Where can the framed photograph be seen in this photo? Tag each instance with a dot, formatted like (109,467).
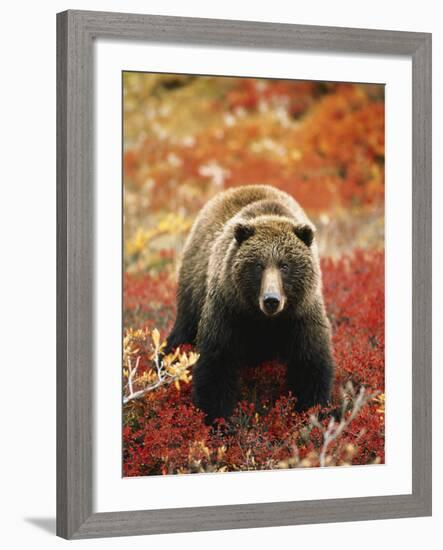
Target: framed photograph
(243,274)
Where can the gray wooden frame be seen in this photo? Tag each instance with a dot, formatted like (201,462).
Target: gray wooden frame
(76,32)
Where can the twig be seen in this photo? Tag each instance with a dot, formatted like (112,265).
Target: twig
(132,372)
(144,391)
(163,376)
(334,429)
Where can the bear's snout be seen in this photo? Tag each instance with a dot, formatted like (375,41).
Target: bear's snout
(272,297)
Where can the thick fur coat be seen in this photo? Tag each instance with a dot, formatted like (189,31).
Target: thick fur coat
(250,290)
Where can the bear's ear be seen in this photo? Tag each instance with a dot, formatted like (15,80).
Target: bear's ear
(242,232)
(305,233)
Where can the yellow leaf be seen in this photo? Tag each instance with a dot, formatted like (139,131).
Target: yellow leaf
(155,336)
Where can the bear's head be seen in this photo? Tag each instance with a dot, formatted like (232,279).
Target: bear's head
(273,268)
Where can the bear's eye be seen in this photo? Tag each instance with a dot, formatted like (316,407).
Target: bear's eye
(284,268)
(259,267)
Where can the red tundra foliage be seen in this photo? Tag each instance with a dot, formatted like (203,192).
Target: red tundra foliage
(265,431)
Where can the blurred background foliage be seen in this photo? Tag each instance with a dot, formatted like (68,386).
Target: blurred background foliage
(187,137)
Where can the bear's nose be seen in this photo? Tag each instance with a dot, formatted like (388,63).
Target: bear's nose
(271,301)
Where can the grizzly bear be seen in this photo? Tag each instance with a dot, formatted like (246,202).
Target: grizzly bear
(249,291)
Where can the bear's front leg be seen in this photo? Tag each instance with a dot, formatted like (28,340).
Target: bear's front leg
(215,385)
(215,376)
(310,364)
